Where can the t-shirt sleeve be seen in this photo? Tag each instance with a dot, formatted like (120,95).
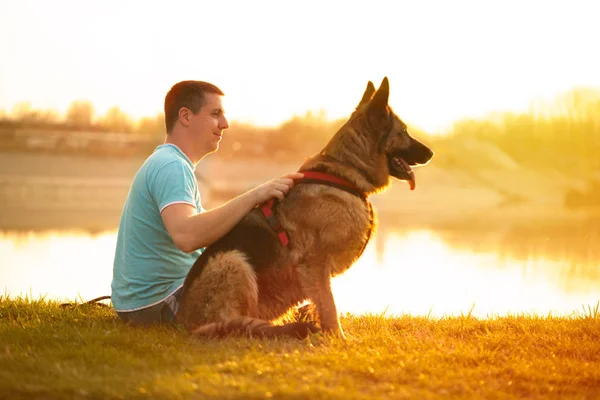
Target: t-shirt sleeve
(173,183)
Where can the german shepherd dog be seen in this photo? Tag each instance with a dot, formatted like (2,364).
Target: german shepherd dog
(249,277)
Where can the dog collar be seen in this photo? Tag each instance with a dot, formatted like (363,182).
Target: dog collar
(323,178)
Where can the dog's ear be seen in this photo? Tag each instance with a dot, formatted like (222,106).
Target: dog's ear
(367,95)
(377,108)
(380,99)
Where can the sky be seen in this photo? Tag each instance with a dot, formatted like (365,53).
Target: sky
(445,60)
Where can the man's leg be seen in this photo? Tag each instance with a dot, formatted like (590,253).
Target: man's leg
(161,313)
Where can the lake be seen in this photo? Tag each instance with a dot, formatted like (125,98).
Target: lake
(417,272)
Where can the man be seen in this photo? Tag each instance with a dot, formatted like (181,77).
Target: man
(163,227)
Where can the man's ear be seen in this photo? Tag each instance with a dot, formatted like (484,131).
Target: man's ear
(184,116)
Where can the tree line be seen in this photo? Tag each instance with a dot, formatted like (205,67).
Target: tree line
(563,134)
(81,115)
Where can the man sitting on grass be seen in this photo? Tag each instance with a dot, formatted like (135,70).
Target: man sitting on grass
(163,227)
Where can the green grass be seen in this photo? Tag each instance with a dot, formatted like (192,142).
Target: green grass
(49,352)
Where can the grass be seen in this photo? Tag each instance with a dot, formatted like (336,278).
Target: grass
(49,352)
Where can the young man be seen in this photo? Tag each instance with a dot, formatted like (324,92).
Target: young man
(163,227)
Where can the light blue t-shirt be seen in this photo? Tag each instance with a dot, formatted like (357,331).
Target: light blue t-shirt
(148,266)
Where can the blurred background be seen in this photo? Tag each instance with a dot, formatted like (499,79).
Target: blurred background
(505,219)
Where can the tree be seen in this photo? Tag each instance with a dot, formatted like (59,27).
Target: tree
(116,120)
(152,126)
(80,113)
(25,113)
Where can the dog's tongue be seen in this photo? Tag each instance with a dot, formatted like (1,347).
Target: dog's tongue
(411,181)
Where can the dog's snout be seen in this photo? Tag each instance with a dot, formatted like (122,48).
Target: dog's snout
(420,153)
(427,153)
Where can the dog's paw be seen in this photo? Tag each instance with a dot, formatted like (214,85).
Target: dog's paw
(300,330)
(306,313)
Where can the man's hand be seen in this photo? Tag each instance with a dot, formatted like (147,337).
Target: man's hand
(275,188)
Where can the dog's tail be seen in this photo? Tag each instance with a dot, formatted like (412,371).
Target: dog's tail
(248,326)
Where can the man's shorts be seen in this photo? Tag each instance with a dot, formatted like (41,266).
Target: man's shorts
(161,313)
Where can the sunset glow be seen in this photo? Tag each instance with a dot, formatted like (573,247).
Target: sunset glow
(445,60)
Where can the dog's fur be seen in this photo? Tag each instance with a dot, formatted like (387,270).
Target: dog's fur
(248,278)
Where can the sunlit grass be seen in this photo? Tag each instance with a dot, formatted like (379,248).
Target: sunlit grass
(49,352)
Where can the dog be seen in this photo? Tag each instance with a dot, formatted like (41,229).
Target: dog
(286,252)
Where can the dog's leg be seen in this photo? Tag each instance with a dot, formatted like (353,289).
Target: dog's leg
(278,291)
(316,282)
(223,301)
(225,289)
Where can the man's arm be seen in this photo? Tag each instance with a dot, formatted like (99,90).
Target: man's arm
(191,230)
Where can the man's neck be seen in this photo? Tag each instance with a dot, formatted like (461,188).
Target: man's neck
(185,148)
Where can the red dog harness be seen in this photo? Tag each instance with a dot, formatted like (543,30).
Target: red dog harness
(309,177)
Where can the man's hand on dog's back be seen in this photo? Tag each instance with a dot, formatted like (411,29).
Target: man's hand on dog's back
(275,188)
(191,230)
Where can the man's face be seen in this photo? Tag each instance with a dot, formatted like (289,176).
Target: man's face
(206,127)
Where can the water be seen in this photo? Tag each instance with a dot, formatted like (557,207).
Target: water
(415,272)
(62,266)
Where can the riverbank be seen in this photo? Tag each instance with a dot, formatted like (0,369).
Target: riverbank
(58,191)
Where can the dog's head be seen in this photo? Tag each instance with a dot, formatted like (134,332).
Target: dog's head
(401,151)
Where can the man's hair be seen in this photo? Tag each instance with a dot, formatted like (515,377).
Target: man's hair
(189,94)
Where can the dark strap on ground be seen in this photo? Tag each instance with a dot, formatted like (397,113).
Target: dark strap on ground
(95,301)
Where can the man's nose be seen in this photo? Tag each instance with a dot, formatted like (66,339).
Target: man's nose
(224,123)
